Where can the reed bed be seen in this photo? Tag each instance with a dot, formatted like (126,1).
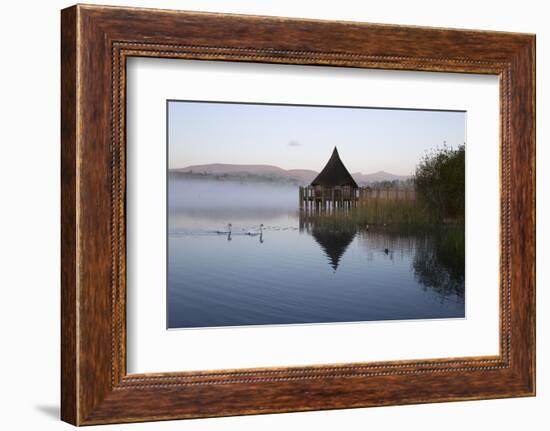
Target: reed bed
(380,212)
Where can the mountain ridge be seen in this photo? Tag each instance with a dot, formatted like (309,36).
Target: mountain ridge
(304,176)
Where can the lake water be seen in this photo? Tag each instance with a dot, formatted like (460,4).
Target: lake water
(299,270)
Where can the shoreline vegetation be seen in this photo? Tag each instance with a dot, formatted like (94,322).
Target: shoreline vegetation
(441,184)
(378,212)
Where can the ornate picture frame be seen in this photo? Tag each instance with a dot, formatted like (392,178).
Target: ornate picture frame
(96,41)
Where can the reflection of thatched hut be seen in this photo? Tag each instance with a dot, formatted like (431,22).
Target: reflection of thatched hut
(333,243)
(333,235)
(334,187)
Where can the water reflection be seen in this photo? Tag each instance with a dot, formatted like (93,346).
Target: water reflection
(439,252)
(333,237)
(439,262)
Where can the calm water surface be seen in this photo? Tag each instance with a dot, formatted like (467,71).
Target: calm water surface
(299,270)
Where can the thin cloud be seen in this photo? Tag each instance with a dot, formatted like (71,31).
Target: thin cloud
(294,144)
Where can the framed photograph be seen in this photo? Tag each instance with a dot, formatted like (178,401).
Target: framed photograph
(264,214)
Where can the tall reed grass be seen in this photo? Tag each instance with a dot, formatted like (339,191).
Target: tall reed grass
(380,212)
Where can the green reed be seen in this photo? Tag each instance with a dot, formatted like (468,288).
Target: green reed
(382,212)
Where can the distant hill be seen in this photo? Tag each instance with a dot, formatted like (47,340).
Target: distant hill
(306,175)
(272,173)
(378,177)
(222,168)
(267,173)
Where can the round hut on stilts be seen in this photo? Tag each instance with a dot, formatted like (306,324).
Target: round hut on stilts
(333,188)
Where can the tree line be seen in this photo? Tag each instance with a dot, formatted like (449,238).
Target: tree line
(440,182)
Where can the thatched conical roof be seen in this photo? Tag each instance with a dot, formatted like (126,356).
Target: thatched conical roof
(334,174)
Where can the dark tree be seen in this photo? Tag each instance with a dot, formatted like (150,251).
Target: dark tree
(440,182)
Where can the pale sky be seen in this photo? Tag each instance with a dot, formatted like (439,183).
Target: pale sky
(303,137)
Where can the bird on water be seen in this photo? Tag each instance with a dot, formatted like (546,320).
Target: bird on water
(254,232)
(226,231)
